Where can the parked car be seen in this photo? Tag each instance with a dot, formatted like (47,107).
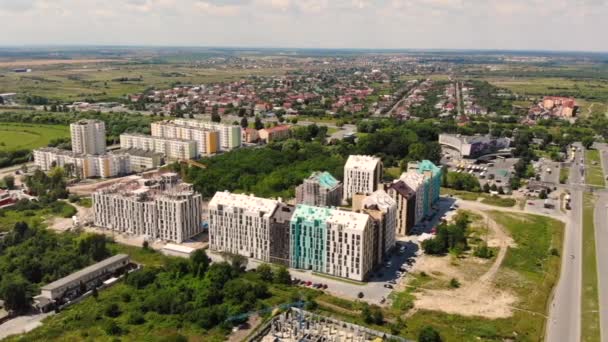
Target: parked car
(388,286)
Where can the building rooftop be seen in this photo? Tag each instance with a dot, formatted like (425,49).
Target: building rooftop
(277,128)
(363,162)
(249,203)
(325,179)
(402,188)
(79,274)
(348,219)
(88,122)
(424,166)
(412,179)
(380,200)
(139,135)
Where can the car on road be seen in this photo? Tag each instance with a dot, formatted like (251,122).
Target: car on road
(388,286)
(392,282)
(530,203)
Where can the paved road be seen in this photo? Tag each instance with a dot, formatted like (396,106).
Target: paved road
(22,324)
(564,323)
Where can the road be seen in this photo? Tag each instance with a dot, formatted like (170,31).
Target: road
(564,322)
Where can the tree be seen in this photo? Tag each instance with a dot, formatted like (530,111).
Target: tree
(15,291)
(282,276)
(112,310)
(145,245)
(454,283)
(111,328)
(587,141)
(366,314)
(265,272)
(258,123)
(486,188)
(429,334)
(244,123)
(199,262)
(542,194)
(9,182)
(215,117)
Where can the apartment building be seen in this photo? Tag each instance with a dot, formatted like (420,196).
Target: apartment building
(157,208)
(417,183)
(241,224)
(332,241)
(172,148)
(88,137)
(142,160)
(405,197)
(382,210)
(279,234)
(320,189)
(275,133)
(207,140)
(83,165)
(362,174)
(229,135)
(432,175)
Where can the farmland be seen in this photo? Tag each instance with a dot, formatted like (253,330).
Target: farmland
(17,136)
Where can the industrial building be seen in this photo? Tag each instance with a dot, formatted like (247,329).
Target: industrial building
(158,208)
(362,175)
(320,189)
(85,279)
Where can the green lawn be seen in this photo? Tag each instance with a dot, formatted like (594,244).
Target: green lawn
(590,320)
(34,217)
(17,136)
(498,201)
(593,168)
(564,173)
(529,270)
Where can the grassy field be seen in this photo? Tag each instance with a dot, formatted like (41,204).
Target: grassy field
(540,86)
(590,320)
(16,136)
(564,173)
(34,218)
(485,198)
(593,168)
(113,80)
(530,271)
(498,201)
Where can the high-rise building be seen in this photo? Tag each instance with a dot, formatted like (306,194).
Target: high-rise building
(207,140)
(241,224)
(229,135)
(432,176)
(88,137)
(279,234)
(320,189)
(405,197)
(382,209)
(417,183)
(171,148)
(362,174)
(157,208)
(332,241)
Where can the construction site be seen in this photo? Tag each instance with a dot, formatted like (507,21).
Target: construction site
(297,325)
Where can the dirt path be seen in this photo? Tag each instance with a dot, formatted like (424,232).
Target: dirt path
(475,297)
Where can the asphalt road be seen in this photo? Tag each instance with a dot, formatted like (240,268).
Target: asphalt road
(564,322)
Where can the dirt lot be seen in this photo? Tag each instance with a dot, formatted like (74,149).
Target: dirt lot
(477,294)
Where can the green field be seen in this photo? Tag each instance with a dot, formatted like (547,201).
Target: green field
(529,270)
(593,168)
(590,320)
(34,217)
(17,136)
(113,81)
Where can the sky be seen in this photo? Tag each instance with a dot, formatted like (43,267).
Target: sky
(576,25)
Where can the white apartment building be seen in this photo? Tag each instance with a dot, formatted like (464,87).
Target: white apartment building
(229,135)
(415,181)
(349,248)
(171,148)
(240,224)
(88,137)
(157,208)
(207,140)
(142,160)
(83,165)
(382,208)
(362,174)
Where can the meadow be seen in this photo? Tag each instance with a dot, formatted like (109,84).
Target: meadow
(18,136)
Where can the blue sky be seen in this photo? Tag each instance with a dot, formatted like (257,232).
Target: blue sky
(438,24)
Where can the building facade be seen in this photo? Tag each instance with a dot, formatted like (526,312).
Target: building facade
(416,182)
(229,135)
(83,165)
(275,133)
(432,175)
(157,208)
(332,241)
(241,224)
(142,160)
(174,149)
(473,146)
(320,189)
(362,174)
(405,198)
(279,234)
(382,209)
(88,137)
(207,140)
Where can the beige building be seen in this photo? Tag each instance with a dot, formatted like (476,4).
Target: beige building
(83,165)
(362,175)
(229,135)
(275,133)
(171,148)
(207,140)
(382,209)
(88,137)
(142,160)
(157,208)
